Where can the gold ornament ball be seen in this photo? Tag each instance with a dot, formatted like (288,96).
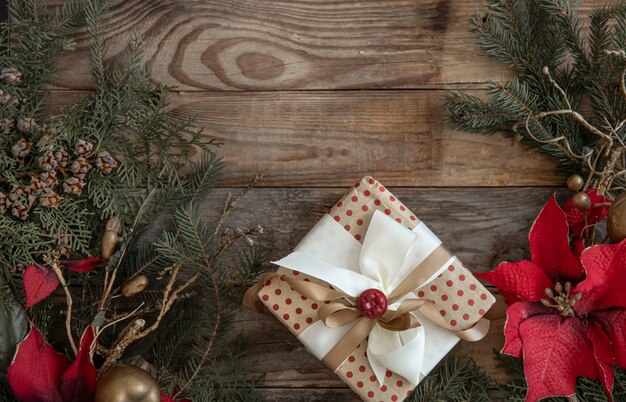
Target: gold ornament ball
(575,182)
(125,383)
(135,285)
(616,221)
(581,201)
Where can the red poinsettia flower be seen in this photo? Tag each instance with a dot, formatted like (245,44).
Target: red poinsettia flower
(39,374)
(567,315)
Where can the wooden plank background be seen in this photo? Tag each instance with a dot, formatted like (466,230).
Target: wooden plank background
(315,94)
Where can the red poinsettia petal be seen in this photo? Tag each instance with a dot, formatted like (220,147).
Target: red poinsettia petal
(515,315)
(613,322)
(84,265)
(603,354)
(39,283)
(556,351)
(165,398)
(604,286)
(576,218)
(78,383)
(549,243)
(519,281)
(36,369)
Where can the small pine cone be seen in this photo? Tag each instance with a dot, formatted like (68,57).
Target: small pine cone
(83,147)
(36,186)
(49,198)
(73,185)
(4,203)
(17,192)
(20,210)
(49,178)
(21,148)
(4,98)
(10,75)
(26,125)
(105,162)
(6,125)
(48,162)
(64,249)
(80,167)
(62,158)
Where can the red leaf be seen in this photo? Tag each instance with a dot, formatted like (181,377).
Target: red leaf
(576,218)
(84,265)
(613,323)
(36,370)
(556,351)
(603,355)
(165,398)
(78,383)
(519,281)
(39,283)
(515,315)
(549,243)
(604,286)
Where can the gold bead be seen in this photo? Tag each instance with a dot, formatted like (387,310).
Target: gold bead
(135,285)
(616,221)
(110,237)
(109,242)
(125,383)
(575,182)
(581,201)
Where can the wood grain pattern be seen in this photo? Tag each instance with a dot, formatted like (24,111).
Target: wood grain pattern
(331,138)
(293,45)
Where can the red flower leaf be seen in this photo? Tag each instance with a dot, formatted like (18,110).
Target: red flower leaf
(519,281)
(549,243)
(515,315)
(603,355)
(556,351)
(613,323)
(36,370)
(78,383)
(84,265)
(165,398)
(604,286)
(576,218)
(39,283)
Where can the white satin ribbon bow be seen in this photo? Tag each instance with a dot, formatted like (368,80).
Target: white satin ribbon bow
(388,254)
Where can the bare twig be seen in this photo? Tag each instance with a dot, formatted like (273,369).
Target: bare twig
(54,264)
(230,205)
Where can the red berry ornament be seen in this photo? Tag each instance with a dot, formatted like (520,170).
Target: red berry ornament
(372,303)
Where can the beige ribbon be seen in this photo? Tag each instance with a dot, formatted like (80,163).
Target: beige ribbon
(343,309)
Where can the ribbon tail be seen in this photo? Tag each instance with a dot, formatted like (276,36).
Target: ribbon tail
(251,297)
(401,352)
(350,341)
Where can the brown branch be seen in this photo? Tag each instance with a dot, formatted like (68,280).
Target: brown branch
(54,264)
(230,205)
(137,331)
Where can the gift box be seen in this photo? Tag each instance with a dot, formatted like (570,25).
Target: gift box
(373,294)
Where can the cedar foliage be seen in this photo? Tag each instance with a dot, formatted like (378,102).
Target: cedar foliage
(125,116)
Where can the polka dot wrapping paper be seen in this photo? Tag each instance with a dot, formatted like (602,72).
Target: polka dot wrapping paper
(458,295)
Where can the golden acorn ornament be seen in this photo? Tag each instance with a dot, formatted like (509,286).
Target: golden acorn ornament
(111,237)
(126,383)
(616,220)
(135,285)
(581,201)
(575,182)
